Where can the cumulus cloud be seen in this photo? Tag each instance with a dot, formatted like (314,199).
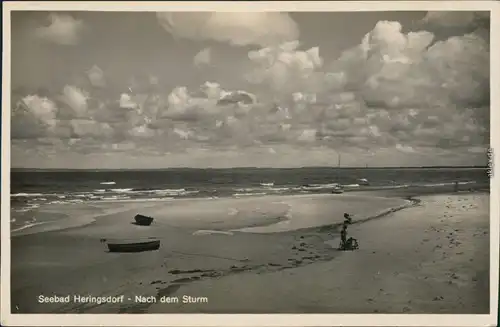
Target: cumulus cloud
(284,69)
(397,70)
(154,80)
(456,18)
(63,29)
(89,128)
(239,28)
(446,24)
(203,57)
(411,92)
(76,100)
(33,116)
(127,102)
(96,76)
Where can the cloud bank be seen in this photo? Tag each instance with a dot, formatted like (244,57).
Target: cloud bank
(203,57)
(63,30)
(409,96)
(238,28)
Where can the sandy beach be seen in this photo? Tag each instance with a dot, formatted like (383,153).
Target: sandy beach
(272,254)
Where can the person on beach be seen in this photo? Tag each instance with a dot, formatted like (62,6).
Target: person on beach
(347,219)
(343,236)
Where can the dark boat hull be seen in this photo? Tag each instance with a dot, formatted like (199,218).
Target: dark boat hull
(134,246)
(143,220)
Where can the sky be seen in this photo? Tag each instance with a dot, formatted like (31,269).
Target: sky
(249,89)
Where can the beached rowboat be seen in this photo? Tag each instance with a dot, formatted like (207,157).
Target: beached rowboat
(143,220)
(134,246)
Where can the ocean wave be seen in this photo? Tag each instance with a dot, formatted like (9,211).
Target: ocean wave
(115,197)
(26,195)
(279,189)
(121,190)
(26,208)
(209,232)
(138,199)
(248,194)
(248,189)
(28,225)
(350,185)
(58,202)
(178,191)
(107,183)
(319,186)
(445,184)
(27,201)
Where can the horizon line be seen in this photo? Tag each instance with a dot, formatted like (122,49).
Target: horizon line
(243,167)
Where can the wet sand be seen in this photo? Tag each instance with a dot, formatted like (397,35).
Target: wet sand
(271,254)
(432,258)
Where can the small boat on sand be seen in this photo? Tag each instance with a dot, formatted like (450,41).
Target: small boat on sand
(134,246)
(143,220)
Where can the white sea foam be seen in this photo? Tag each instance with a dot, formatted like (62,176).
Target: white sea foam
(248,194)
(57,202)
(279,189)
(248,189)
(27,208)
(121,190)
(26,194)
(29,226)
(209,232)
(107,183)
(128,199)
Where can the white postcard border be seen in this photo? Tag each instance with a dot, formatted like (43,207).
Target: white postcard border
(9,319)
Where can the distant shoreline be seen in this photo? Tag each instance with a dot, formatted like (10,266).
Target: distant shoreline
(238,168)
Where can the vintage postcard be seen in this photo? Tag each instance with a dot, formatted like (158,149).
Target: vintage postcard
(250,163)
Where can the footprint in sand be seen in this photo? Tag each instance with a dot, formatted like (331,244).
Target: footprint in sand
(274,264)
(185,280)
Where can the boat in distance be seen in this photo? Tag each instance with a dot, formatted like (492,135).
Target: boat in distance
(143,220)
(337,190)
(134,246)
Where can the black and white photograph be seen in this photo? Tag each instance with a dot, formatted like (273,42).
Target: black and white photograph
(229,158)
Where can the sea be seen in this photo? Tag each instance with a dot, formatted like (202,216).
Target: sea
(32,189)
